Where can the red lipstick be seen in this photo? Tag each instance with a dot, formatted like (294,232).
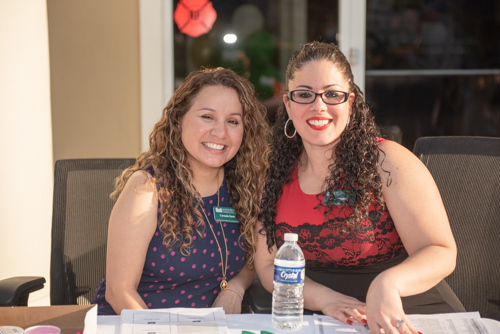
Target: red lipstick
(317,126)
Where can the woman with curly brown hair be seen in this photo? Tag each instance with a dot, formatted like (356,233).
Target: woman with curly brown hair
(369,216)
(181,231)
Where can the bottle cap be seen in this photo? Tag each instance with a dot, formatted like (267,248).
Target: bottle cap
(291,237)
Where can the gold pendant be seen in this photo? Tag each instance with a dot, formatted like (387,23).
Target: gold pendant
(223,284)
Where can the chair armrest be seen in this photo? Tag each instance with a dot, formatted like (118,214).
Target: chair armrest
(15,291)
(259,299)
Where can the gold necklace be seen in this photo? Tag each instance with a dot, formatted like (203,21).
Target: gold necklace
(223,283)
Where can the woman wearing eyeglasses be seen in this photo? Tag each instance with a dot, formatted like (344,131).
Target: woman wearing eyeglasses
(369,216)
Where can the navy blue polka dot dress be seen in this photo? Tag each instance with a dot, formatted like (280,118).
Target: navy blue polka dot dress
(170,279)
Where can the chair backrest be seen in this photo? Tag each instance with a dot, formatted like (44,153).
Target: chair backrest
(467,173)
(81,211)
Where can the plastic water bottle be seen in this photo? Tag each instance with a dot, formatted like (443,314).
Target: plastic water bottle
(289,274)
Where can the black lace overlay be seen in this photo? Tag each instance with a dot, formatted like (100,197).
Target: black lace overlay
(333,244)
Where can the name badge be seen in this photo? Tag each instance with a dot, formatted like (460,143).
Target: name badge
(225,214)
(339,197)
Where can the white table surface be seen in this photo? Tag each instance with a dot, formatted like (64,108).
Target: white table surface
(235,323)
(254,323)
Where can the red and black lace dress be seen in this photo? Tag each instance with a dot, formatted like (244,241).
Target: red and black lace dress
(346,259)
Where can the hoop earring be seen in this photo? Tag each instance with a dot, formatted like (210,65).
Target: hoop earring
(286,134)
(348,121)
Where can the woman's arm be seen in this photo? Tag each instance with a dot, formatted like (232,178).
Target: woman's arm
(264,261)
(131,226)
(417,210)
(231,298)
(317,297)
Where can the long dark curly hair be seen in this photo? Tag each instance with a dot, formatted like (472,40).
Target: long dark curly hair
(173,177)
(354,158)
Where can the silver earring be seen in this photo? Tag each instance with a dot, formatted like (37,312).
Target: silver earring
(348,120)
(286,134)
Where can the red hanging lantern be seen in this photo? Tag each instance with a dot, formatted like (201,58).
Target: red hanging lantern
(194,17)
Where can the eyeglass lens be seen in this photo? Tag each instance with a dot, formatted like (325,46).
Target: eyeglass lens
(307,96)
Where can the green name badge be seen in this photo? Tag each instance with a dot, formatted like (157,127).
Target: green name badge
(339,197)
(225,214)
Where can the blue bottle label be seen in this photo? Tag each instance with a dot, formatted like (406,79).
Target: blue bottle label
(289,275)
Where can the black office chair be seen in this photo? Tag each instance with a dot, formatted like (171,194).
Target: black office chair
(80,217)
(258,299)
(467,173)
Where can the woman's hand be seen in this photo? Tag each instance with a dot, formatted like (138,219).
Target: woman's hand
(344,308)
(317,297)
(384,310)
(229,300)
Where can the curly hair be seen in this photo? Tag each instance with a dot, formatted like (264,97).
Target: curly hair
(173,177)
(354,158)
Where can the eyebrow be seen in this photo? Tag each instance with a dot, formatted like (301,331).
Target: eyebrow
(325,87)
(213,110)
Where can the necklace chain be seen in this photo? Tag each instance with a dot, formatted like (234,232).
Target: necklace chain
(223,283)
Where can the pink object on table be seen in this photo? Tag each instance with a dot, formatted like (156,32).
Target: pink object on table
(44,329)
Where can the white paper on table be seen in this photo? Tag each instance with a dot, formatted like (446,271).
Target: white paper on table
(447,323)
(90,322)
(173,320)
(326,325)
(452,323)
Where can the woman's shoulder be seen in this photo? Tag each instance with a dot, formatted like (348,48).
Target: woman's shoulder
(140,175)
(137,180)
(397,162)
(381,140)
(392,151)
(149,173)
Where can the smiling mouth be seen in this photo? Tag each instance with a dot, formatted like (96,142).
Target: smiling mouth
(317,122)
(214,146)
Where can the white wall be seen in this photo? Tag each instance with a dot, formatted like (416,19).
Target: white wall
(26,178)
(95,78)
(352,39)
(26,150)
(157,62)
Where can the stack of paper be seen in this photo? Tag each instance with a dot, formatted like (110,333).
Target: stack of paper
(449,323)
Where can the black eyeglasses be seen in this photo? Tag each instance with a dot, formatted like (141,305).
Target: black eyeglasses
(331,97)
